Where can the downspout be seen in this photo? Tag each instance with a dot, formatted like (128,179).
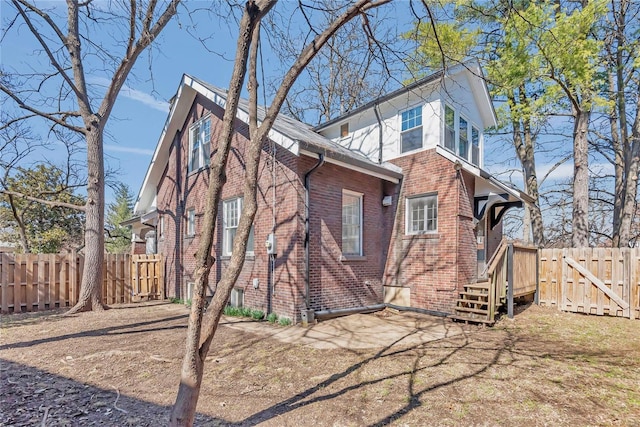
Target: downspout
(377,113)
(307,189)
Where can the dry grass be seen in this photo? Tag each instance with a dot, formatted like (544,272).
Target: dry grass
(542,368)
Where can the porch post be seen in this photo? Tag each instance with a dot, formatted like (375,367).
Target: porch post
(510,281)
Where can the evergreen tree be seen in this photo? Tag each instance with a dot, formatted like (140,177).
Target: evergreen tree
(118,238)
(38,227)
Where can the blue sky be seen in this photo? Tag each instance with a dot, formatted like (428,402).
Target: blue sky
(141,110)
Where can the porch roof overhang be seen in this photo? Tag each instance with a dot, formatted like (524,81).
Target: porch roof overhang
(491,195)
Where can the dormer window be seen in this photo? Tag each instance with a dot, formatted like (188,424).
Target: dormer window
(411,130)
(461,137)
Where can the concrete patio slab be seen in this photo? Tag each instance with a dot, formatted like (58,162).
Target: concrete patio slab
(359,331)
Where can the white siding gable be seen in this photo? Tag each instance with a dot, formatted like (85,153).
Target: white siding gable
(458,91)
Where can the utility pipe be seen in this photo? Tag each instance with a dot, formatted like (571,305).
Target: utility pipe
(377,113)
(307,258)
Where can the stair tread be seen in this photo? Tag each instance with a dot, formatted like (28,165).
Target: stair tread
(472,310)
(471,319)
(475,294)
(471,301)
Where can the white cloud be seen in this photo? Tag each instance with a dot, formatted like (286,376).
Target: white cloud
(135,95)
(132,150)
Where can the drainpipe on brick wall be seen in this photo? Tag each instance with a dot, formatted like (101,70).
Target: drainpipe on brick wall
(375,110)
(307,259)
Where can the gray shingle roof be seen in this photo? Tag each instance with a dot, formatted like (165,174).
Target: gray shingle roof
(312,141)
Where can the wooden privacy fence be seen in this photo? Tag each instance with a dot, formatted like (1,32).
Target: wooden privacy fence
(602,281)
(36,282)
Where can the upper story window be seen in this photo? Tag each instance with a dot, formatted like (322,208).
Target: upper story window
(231,210)
(351,223)
(411,130)
(161,227)
(422,214)
(199,144)
(460,136)
(191,222)
(344,130)
(475,145)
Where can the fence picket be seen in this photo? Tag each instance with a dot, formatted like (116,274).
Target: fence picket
(601,281)
(45,281)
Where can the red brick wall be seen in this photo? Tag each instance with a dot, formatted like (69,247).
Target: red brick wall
(434,266)
(336,282)
(180,191)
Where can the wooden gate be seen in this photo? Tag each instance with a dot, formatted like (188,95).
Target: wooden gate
(601,281)
(147,275)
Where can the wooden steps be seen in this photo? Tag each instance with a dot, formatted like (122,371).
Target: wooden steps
(473,304)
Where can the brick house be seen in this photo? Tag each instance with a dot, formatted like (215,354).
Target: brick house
(398,206)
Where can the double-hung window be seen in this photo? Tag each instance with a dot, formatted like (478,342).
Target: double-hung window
(351,223)
(475,145)
(461,137)
(231,210)
(199,144)
(449,128)
(191,222)
(411,129)
(422,214)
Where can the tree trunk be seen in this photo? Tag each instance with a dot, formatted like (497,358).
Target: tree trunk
(632,162)
(202,327)
(24,242)
(183,412)
(524,144)
(580,221)
(91,287)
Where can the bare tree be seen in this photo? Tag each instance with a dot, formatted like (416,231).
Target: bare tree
(622,142)
(202,326)
(62,94)
(344,75)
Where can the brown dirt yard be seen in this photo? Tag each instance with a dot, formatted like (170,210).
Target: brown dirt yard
(121,367)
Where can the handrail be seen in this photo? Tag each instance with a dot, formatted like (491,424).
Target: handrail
(491,265)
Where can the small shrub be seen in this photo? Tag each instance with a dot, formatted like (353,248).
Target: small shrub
(245,311)
(257,314)
(231,311)
(272,318)
(284,321)
(176,301)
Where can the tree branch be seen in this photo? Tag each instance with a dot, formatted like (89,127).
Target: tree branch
(50,116)
(52,203)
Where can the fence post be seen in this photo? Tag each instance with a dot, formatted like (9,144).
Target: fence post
(536,297)
(629,281)
(510,281)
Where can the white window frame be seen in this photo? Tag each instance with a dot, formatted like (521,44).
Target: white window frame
(236,299)
(409,212)
(161,227)
(201,145)
(352,195)
(457,117)
(191,222)
(230,225)
(459,128)
(411,129)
